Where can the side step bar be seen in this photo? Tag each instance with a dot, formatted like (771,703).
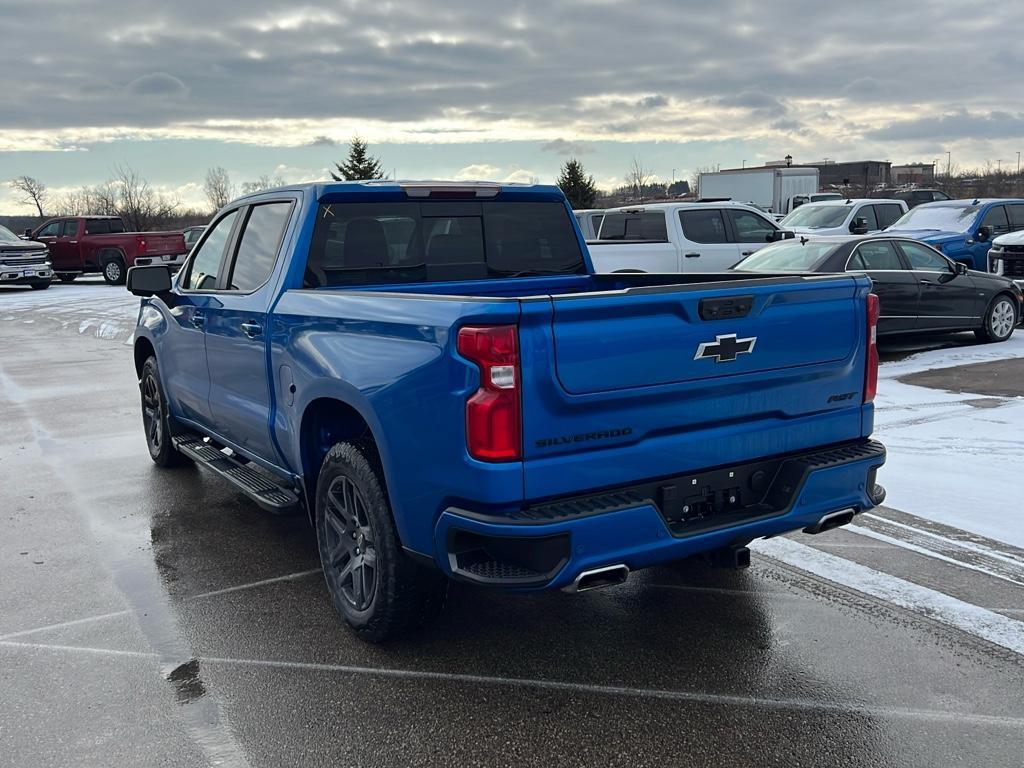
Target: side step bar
(258,486)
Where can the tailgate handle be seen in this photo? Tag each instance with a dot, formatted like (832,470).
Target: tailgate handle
(727,307)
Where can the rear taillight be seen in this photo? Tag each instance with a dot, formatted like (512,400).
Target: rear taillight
(493,412)
(142,245)
(871,370)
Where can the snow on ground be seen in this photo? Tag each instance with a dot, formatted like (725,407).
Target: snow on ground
(89,306)
(953,458)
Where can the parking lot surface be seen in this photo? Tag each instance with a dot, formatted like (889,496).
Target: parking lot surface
(154,617)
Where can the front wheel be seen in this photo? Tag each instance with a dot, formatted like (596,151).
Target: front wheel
(155,420)
(375,587)
(67,277)
(114,272)
(41,286)
(999,320)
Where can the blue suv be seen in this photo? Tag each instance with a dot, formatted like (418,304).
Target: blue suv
(962,229)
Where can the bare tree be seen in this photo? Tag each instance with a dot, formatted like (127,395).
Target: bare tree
(33,191)
(695,178)
(638,176)
(141,206)
(263,182)
(218,187)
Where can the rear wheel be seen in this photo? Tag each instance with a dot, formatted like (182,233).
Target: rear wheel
(1000,319)
(374,585)
(114,271)
(155,420)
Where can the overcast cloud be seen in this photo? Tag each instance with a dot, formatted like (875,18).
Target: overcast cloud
(899,81)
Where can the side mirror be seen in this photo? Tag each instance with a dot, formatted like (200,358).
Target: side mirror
(28,233)
(859,226)
(788,234)
(984,233)
(774,236)
(149,281)
(960,268)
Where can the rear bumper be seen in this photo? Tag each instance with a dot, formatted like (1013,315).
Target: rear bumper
(168,260)
(547,546)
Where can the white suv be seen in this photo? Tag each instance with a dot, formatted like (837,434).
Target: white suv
(844,217)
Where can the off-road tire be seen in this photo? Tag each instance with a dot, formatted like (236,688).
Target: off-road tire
(354,526)
(155,421)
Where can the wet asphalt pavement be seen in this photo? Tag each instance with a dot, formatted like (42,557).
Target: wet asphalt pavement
(156,618)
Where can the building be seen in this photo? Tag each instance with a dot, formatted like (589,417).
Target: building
(860,176)
(913,173)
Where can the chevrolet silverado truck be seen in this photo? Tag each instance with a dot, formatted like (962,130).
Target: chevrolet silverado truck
(23,263)
(436,375)
(90,244)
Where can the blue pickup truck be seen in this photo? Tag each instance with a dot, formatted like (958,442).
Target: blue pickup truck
(962,229)
(436,375)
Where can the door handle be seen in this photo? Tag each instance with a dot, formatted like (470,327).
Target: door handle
(197,320)
(252,330)
(926,282)
(745,253)
(691,255)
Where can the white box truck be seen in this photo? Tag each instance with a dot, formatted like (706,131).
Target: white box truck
(776,190)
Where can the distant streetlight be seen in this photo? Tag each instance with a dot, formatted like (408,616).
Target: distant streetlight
(743,164)
(949,164)
(1018,162)
(789,160)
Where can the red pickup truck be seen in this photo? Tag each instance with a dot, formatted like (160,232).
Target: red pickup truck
(90,244)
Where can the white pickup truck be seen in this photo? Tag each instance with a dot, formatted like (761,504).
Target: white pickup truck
(680,237)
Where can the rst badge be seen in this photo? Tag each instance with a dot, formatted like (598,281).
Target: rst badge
(725,349)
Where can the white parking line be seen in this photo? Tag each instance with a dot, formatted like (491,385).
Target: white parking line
(861,531)
(995,628)
(188,598)
(701,697)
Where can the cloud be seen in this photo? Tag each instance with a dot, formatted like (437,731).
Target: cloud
(477,172)
(651,102)
(755,101)
(323,141)
(954,125)
(157,84)
(568,148)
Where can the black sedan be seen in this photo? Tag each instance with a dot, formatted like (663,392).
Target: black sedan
(919,289)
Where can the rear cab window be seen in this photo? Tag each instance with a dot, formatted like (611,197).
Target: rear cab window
(704,225)
(435,241)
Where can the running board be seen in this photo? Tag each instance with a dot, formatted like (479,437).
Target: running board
(258,486)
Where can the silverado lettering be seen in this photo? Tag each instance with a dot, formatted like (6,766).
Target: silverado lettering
(606,434)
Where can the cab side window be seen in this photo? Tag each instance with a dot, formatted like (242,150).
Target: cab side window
(924,259)
(703,225)
(70,228)
(751,228)
(205,265)
(1016,216)
(867,212)
(51,230)
(259,245)
(995,219)
(887,214)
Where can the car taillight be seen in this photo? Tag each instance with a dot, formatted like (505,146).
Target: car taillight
(493,412)
(142,245)
(871,371)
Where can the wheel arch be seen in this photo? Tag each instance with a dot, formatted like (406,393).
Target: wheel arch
(108,254)
(144,349)
(327,421)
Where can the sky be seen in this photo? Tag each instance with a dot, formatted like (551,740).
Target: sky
(496,89)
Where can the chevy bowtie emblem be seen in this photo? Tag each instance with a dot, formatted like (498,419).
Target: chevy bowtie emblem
(724,349)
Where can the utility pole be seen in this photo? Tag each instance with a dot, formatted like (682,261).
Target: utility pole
(744,164)
(1018,162)
(949,164)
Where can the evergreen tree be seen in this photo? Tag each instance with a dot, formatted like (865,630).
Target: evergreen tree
(359,165)
(577,186)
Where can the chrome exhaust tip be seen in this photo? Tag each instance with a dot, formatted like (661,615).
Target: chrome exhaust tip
(832,520)
(596,578)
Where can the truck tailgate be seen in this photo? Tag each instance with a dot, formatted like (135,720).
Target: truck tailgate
(158,243)
(646,386)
